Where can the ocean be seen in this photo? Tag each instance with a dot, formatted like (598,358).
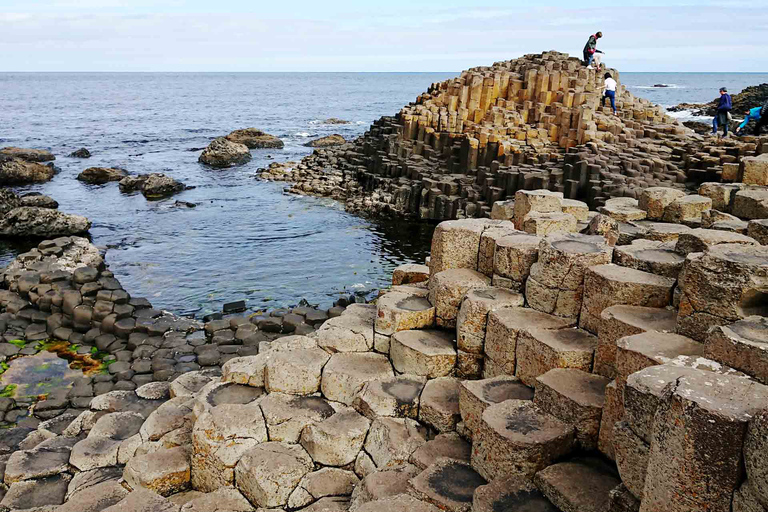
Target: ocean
(246,239)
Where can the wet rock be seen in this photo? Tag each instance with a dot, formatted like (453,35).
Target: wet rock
(39,201)
(152,186)
(80,153)
(253,138)
(30,155)
(450,485)
(224,153)
(327,141)
(510,493)
(15,171)
(101,175)
(27,221)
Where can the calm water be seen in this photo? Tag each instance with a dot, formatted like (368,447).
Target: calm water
(245,239)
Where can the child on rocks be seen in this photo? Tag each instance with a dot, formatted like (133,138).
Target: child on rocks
(610,92)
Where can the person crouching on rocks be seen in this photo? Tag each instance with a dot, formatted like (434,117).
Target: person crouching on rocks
(591,48)
(610,92)
(724,107)
(752,114)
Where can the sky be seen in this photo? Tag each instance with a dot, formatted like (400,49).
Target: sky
(396,35)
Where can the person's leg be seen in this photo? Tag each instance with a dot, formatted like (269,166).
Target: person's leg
(590,57)
(602,100)
(714,124)
(725,123)
(612,95)
(760,124)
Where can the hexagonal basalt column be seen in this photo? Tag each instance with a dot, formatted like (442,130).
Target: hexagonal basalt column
(427,353)
(512,260)
(541,350)
(472,321)
(397,311)
(446,290)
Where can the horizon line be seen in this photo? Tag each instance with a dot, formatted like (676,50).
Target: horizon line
(369,72)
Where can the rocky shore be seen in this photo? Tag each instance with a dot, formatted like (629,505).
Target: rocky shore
(589,334)
(530,123)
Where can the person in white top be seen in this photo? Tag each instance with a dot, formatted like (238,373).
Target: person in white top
(610,92)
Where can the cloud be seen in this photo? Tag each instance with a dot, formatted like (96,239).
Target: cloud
(399,38)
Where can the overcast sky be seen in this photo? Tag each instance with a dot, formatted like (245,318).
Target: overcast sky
(396,35)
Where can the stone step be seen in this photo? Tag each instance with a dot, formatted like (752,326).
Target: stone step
(447,484)
(345,374)
(295,372)
(504,328)
(383,483)
(576,398)
(439,407)
(511,494)
(410,273)
(456,243)
(268,473)
(610,285)
(472,321)
(287,415)
(346,333)
(443,446)
(427,353)
(659,258)
(392,441)
(613,411)
(619,321)
(661,231)
(488,240)
(397,311)
(516,438)
(699,240)
(475,396)
(633,353)
(448,288)
(540,201)
(541,350)
(512,260)
(542,224)
(556,282)
(701,471)
(742,345)
(397,396)
(582,484)
(166,471)
(337,440)
(720,287)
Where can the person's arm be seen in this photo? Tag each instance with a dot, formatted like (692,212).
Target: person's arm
(744,123)
(728,103)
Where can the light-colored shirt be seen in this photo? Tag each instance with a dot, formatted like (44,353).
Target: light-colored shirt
(610,84)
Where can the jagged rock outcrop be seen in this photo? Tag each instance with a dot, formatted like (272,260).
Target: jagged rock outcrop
(255,139)
(15,171)
(30,155)
(152,186)
(224,153)
(38,200)
(101,175)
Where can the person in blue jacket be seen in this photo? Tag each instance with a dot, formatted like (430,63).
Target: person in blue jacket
(724,106)
(752,115)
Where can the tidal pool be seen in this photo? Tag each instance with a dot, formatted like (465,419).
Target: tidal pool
(55,367)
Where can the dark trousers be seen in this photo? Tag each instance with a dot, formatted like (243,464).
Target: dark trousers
(761,123)
(722,120)
(588,58)
(612,96)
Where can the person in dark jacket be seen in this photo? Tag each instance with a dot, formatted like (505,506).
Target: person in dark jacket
(763,120)
(591,48)
(724,106)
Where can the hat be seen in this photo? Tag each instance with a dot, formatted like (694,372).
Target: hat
(723,89)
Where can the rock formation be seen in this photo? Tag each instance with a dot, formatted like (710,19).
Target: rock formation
(36,215)
(328,141)
(81,153)
(223,153)
(255,139)
(152,186)
(526,124)
(101,175)
(38,200)
(30,155)
(15,171)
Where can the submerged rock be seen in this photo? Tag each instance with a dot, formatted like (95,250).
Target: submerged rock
(42,222)
(101,175)
(335,120)
(81,153)
(225,153)
(15,171)
(153,186)
(30,155)
(255,139)
(324,142)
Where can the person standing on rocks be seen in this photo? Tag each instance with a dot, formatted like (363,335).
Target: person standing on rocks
(591,48)
(610,92)
(724,106)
